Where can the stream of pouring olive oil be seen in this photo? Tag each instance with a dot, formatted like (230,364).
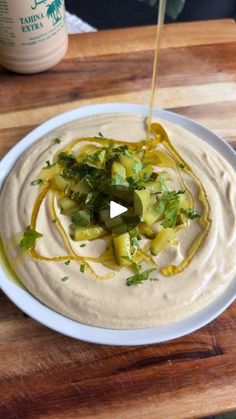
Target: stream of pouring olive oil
(155,135)
(160,22)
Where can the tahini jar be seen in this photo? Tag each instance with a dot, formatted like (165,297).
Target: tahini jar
(33,35)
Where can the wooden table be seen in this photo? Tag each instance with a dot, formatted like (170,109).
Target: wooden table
(46,375)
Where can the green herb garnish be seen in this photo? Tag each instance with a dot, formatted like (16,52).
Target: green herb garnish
(81,218)
(162,182)
(37,182)
(190,213)
(168,207)
(96,160)
(29,239)
(65,278)
(49,165)
(135,239)
(100,135)
(71,167)
(182,166)
(138,183)
(57,141)
(136,265)
(82,268)
(137,167)
(83,245)
(54,220)
(67,262)
(138,278)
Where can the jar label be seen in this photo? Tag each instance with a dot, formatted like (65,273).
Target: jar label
(31,22)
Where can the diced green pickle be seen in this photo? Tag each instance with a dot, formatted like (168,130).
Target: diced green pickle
(163,239)
(59,183)
(122,249)
(88,233)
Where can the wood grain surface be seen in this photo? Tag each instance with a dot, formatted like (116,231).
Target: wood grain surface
(46,375)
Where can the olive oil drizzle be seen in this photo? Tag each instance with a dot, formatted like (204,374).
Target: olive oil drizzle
(204,220)
(72,255)
(160,137)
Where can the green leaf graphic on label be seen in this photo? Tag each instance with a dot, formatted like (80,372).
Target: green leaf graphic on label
(53,11)
(37,3)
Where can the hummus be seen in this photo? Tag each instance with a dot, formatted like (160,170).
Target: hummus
(110,303)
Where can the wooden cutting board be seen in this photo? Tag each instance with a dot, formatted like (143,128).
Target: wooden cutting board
(46,375)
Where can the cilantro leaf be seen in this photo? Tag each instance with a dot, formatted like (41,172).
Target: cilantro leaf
(82,268)
(29,239)
(49,165)
(162,183)
(135,239)
(37,182)
(65,278)
(67,262)
(113,153)
(168,207)
(137,265)
(138,183)
(190,213)
(81,218)
(96,160)
(57,141)
(137,166)
(138,278)
(71,167)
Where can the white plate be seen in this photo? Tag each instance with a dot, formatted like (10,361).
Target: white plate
(38,311)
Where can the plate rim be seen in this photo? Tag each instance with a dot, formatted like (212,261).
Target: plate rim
(93,334)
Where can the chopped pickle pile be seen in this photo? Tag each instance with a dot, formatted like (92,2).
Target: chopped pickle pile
(82,183)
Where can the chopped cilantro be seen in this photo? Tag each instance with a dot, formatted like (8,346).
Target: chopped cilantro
(113,153)
(182,166)
(162,182)
(96,160)
(57,141)
(83,245)
(168,207)
(139,277)
(29,239)
(127,152)
(49,165)
(135,239)
(81,218)
(137,166)
(82,268)
(190,213)
(71,167)
(67,262)
(54,221)
(138,183)
(100,135)
(37,182)
(65,278)
(137,265)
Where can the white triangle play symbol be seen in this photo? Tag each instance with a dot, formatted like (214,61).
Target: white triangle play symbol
(116,209)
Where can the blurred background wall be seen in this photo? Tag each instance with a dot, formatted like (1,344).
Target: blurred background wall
(108,14)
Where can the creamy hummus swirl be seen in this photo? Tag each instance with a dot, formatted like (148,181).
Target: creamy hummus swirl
(110,303)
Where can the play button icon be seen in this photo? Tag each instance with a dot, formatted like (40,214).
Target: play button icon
(123,211)
(116,209)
